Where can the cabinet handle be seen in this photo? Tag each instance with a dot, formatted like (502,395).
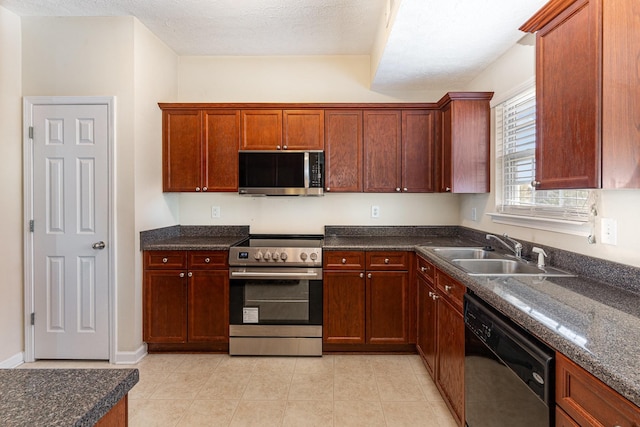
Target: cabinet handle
(344,260)
(369,275)
(285,147)
(361,275)
(197,188)
(423,269)
(190,274)
(448,288)
(207,260)
(204,188)
(328,189)
(165,260)
(398,189)
(181,274)
(431,294)
(535,184)
(405,189)
(278,147)
(386,260)
(435,297)
(447,189)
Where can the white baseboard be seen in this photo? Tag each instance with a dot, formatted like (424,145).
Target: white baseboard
(13,361)
(131,357)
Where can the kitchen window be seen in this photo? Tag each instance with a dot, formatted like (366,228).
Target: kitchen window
(515,170)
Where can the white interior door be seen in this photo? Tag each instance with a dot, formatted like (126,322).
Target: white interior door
(70,180)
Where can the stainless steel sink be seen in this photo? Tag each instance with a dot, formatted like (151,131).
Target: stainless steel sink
(506,267)
(463,253)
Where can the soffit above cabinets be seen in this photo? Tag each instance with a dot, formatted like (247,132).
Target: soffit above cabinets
(414,44)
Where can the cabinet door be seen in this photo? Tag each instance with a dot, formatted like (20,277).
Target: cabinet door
(303,129)
(387,307)
(222,141)
(568,98)
(208,306)
(426,324)
(261,129)
(450,366)
(181,150)
(382,151)
(343,150)
(165,306)
(343,307)
(418,150)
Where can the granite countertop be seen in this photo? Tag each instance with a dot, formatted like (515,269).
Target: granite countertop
(594,324)
(61,397)
(192,238)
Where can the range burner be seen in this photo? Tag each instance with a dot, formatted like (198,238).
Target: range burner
(271,250)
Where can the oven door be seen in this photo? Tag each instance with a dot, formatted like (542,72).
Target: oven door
(275,296)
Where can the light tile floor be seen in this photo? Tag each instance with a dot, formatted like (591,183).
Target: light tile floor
(333,390)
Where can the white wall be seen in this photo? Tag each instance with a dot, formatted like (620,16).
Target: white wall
(300,79)
(155,78)
(11,222)
(511,70)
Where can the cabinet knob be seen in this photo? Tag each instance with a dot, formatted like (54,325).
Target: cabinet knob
(535,184)
(285,147)
(435,297)
(405,189)
(278,147)
(344,260)
(431,294)
(181,274)
(190,274)
(197,188)
(204,189)
(361,275)
(369,275)
(165,260)
(423,269)
(328,189)
(386,260)
(207,260)
(448,288)
(398,189)
(447,189)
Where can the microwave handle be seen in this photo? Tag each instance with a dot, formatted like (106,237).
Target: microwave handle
(306,170)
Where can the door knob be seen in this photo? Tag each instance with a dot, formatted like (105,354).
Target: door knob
(98,245)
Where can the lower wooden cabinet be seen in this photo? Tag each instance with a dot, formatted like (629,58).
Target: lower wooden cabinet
(367,301)
(584,400)
(186,308)
(440,333)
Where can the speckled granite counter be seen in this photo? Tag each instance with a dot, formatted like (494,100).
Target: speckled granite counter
(595,324)
(192,238)
(61,397)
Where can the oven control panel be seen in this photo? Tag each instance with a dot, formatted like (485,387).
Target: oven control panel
(289,256)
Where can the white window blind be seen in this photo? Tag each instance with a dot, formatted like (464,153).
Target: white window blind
(515,153)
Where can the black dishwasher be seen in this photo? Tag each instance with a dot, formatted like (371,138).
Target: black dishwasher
(509,374)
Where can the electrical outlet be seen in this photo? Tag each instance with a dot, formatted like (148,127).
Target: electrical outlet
(609,231)
(215,211)
(375,211)
(474,214)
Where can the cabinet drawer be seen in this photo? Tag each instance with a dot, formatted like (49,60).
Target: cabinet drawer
(588,400)
(426,269)
(208,259)
(343,260)
(387,261)
(450,288)
(165,259)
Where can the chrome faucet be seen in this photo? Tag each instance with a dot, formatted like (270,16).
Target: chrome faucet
(517,246)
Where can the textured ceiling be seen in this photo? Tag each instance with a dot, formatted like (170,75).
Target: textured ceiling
(433,43)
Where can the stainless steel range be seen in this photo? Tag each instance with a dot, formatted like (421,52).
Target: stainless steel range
(275,296)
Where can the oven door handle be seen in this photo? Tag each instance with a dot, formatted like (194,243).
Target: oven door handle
(267,275)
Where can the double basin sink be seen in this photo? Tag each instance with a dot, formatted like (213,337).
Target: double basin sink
(477,261)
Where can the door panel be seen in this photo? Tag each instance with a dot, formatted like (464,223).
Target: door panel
(70,179)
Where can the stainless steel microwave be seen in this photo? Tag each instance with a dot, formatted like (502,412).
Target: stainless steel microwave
(281,173)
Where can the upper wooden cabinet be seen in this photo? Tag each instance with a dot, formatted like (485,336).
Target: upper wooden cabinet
(418,150)
(282,129)
(588,94)
(343,150)
(382,150)
(463,152)
(200,150)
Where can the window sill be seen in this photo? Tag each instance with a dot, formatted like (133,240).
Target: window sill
(576,228)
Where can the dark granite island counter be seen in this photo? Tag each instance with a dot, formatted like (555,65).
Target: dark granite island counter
(64,397)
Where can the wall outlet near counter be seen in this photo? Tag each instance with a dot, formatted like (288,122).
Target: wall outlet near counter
(609,231)
(474,214)
(375,211)
(215,211)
